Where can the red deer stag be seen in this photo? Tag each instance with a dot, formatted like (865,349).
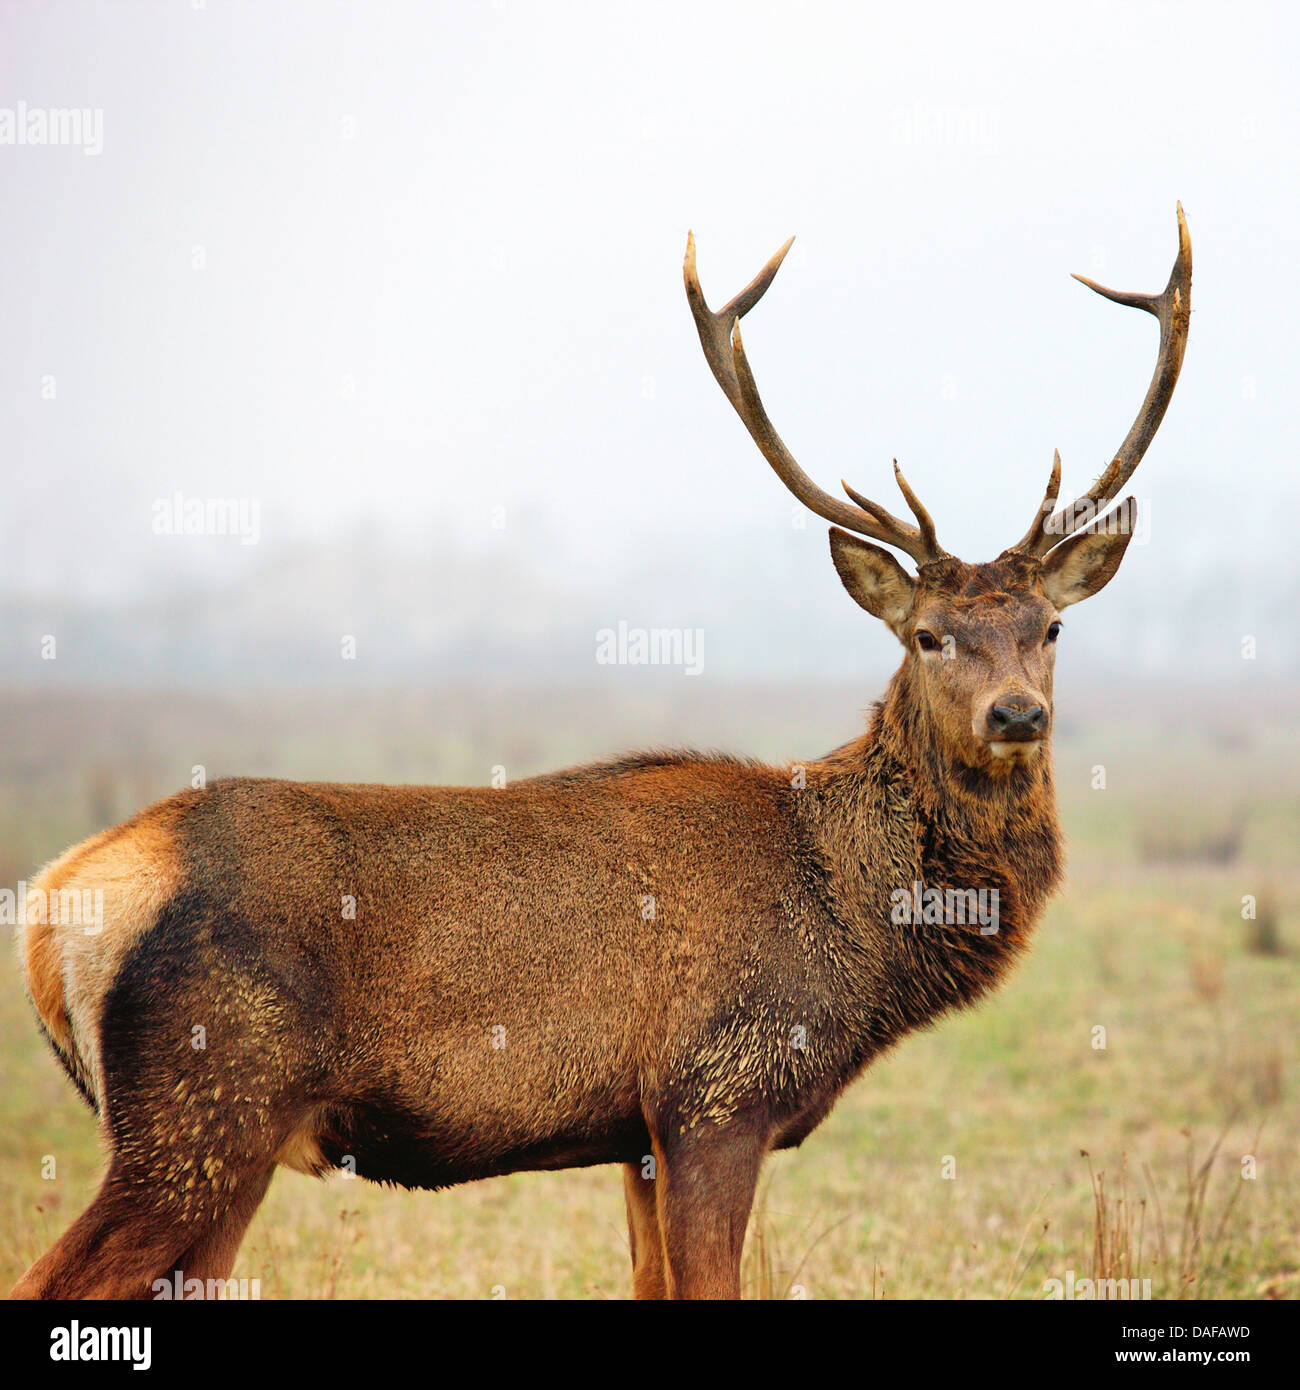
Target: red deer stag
(501,999)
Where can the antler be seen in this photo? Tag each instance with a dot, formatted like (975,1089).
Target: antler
(725,353)
(1173,309)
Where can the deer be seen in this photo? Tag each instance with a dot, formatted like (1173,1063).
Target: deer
(674,962)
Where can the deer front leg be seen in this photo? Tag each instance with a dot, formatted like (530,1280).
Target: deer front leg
(705,1183)
(649,1278)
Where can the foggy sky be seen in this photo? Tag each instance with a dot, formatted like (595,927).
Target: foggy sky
(419,267)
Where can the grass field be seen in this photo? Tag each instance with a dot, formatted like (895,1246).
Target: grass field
(1002,1149)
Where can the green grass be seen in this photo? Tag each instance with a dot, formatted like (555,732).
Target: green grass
(1200,1033)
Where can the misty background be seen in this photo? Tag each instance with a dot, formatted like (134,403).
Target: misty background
(403,282)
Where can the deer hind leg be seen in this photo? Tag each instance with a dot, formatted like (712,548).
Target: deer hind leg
(212,1255)
(113,1250)
(649,1275)
(139,1230)
(193,1132)
(706,1181)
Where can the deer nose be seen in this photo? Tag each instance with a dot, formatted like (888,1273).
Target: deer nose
(1016,719)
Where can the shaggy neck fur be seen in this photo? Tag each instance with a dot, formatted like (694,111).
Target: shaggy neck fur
(893,810)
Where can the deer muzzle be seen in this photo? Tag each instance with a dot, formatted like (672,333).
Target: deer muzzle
(1013,724)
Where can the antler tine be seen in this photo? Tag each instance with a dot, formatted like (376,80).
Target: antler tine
(1173,309)
(1038,526)
(923,520)
(715,329)
(724,350)
(927,547)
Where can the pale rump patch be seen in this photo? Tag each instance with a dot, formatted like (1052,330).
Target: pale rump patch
(70,965)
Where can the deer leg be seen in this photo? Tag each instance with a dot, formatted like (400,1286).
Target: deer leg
(132,1235)
(185,1176)
(706,1182)
(649,1279)
(212,1256)
(114,1249)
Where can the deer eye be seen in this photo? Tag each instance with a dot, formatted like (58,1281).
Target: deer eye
(927,641)
(1053,632)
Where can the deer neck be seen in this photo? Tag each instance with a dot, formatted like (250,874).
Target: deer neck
(896,818)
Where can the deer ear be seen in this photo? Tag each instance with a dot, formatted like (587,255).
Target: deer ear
(1086,563)
(875,579)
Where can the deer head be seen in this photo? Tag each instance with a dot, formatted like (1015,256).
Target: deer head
(980,639)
